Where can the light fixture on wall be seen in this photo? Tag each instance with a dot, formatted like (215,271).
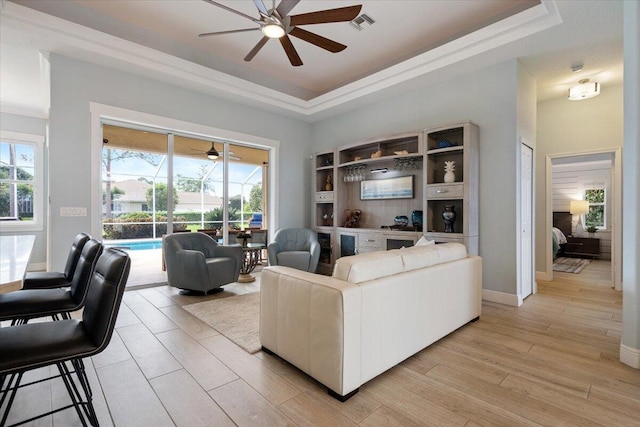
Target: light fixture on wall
(380,170)
(584,90)
(579,207)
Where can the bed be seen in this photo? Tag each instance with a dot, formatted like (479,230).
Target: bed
(561,229)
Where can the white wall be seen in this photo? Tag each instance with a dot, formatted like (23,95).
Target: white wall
(630,347)
(33,126)
(488,98)
(566,127)
(74,84)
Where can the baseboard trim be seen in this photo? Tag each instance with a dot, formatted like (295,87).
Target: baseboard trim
(501,298)
(542,275)
(630,356)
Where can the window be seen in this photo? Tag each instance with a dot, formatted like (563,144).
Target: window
(21,181)
(597,208)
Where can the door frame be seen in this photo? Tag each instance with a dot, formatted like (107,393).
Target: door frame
(534,287)
(100,112)
(616,189)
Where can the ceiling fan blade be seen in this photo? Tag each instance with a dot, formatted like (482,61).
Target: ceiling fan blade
(217,33)
(256,48)
(237,12)
(341,14)
(286,6)
(261,7)
(317,40)
(295,60)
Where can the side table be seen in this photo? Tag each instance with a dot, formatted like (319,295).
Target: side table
(251,257)
(582,247)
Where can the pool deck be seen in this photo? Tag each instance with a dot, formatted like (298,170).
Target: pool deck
(146,268)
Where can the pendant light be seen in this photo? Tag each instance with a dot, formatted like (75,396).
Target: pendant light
(213,153)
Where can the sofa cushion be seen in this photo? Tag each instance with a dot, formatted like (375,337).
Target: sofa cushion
(374,265)
(428,255)
(369,266)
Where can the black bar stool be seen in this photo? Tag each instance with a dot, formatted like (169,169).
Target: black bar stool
(20,306)
(64,343)
(57,279)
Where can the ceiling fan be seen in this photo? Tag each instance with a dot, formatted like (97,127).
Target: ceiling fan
(276,23)
(213,154)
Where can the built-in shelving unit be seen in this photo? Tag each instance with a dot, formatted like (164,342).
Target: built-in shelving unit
(457,143)
(421,155)
(323,182)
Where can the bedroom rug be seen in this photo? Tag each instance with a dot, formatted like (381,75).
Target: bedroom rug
(570,265)
(237,318)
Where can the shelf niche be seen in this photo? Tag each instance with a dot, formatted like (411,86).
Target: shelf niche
(387,147)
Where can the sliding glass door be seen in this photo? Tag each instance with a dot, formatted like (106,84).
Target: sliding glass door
(158,182)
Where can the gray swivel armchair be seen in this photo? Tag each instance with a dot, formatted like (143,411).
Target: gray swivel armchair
(195,262)
(295,247)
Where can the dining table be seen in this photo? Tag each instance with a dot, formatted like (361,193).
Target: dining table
(15,252)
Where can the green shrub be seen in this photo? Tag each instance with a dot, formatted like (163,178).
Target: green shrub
(138,225)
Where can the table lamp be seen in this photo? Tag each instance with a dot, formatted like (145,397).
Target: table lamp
(579,207)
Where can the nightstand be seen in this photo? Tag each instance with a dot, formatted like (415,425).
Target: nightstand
(582,247)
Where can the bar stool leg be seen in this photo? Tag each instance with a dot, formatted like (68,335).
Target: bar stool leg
(74,394)
(11,391)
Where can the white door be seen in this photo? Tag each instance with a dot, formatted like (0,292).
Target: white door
(526,224)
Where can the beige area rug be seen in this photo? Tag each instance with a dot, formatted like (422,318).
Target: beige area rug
(237,318)
(570,265)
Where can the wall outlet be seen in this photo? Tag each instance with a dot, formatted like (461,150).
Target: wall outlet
(73,211)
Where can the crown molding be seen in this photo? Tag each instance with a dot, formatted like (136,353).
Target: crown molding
(70,39)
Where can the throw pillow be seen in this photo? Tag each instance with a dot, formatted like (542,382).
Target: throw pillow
(423,242)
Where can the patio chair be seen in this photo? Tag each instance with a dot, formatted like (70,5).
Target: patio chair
(295,247)
(196,262)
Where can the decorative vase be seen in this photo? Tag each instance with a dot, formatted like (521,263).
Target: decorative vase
(449,174)
(328,186)
(449,217)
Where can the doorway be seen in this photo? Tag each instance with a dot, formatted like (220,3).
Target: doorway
(593,178)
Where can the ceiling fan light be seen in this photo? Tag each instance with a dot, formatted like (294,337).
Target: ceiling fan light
(273,31)
(212,154)
(584,91)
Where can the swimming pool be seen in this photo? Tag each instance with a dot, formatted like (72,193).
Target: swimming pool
(135,245)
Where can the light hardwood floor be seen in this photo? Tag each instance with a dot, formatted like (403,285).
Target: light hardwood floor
(598,272)
(553,361)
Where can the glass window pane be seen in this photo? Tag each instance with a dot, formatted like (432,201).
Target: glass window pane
(198,181)
(17,177)
(6,200)
(134,184)
(595,217)
(594,196)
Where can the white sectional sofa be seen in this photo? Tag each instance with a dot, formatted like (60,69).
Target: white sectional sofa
(378,309)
